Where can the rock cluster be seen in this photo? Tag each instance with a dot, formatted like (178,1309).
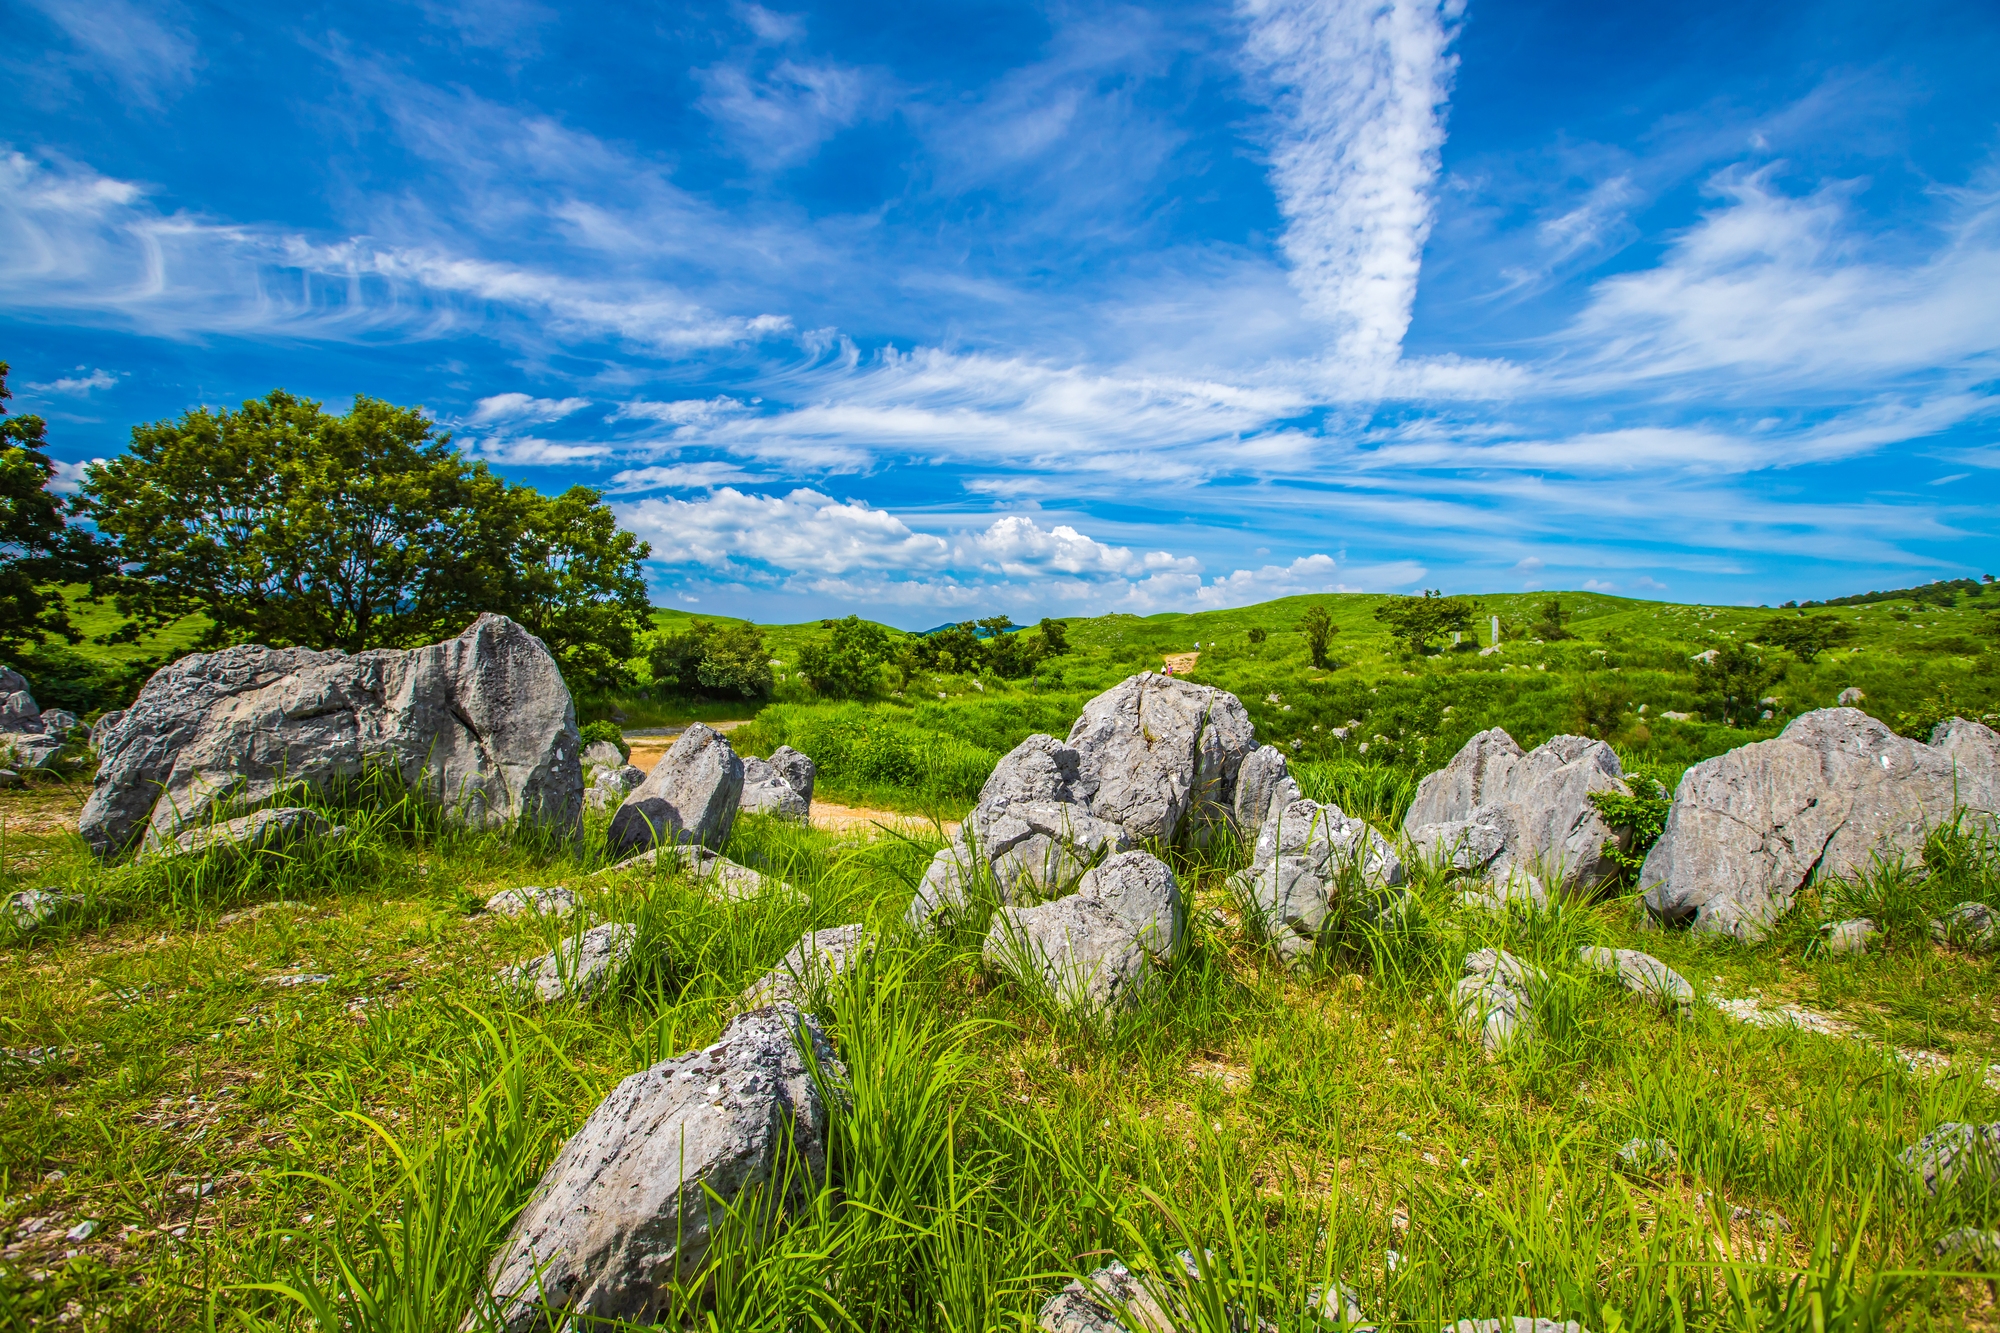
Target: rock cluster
(481,723)
(781,785)
(1309,859)
(1522,821)
(1834,791)
(689,797)
(29,737)
(1096,949)
(623,1217)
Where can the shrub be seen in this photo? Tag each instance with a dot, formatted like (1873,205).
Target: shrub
(1732,683)
(847,663)
(594,732)
(1319,629)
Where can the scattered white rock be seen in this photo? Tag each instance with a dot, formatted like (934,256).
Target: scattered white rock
(1493,1001)
(1641,973)
(1159,756)
(1263,783)
(532,900)
(292,980)
(578,967)
(1971,1244)
(1845,937)
(781,785)
(1851,696)
(718,875)
(624,1215)
(34,907)
(1520,1323)
(82,1231)
(603,754)
(264,831)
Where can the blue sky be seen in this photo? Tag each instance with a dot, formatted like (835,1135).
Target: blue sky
(941,309)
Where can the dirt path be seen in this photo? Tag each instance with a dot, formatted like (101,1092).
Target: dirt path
(648,750)
(1179,664)
(649,746)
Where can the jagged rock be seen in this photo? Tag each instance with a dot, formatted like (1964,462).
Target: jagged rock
(1031,836)
(1641,973)
(1972,925)
(104,726)
(1090,1305)
(1646,1156)
(1951,1150)
(1307,856)
(1160,756)
(264,831)
(1263,783)
(1835,790)
(1493,1002)
(818,959)
(531,900)
(34,907)
(624,1215)
(718,875)
(1096,949)
(1844,937)
(781,785)
(580,967)
(24,750)
(481,723)
(603,754)
(690,796)
(610,786)
(1535,805)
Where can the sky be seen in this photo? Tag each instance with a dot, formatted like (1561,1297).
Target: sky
(930,311)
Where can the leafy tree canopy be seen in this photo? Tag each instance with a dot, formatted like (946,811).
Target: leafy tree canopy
(1319,629)
(286,524)
(847,663)
(728,661)
(38,547)
(1733,684)
(1418,620)
(1806,637)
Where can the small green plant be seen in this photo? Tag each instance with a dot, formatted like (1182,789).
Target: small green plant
(1319,629)
(594,732)
(1643,814)
(1918,723)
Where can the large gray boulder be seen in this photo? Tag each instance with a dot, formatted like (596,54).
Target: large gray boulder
(1264,783)
(624,1215)
(1160,756)
(1832,792)
(1096,949)
(781,785)
(481,723)
(580,967)
(1308,857)
(1537,804)
(690,796)
(1030,837)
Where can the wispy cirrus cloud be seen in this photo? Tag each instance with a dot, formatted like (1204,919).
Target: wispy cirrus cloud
(142,49)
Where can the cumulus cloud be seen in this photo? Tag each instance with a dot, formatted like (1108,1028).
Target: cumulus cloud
(82,382)
(803,531)
(1358,91)
(521,407)
(677,476)
(69,477)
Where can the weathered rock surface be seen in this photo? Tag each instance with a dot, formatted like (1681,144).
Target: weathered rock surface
(23,750)
(577,967)
(33,735)
(1832,792)
(1844,937)
(625,1213)
(603,754)
(532,901)
(1970,1245)
(1263,783)
(1969,925)
(1641,973)
(1953,1150)
(264,831)
(1534,806)
(690,796)
(481,723)
(104,726)
(780,785)
(820,958)
(1308,856)
(1493,1000)
(1520,1323)
(1090,1305)
(1160,756)
(719,876)
(1096,949)
(610,786)
(33,907)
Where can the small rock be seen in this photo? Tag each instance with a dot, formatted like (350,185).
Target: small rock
(292,979)
(1851,696)
(266,830)
(1845,937)
(555,901)
(252,913)
(1761,1218)
(603,754)
(1641,973)
(1970,1243)
(718,875)
(83,1230)
(579,967)
(1952,1149)
(34,907)
(1969,925)
(1503,967)
(819,958)
(1520,1323)
(690,796)
(1089,1305)
(1672,716)
(9,778)
(781,785)
(1645,1156)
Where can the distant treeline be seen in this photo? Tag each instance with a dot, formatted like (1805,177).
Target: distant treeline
(1944,592)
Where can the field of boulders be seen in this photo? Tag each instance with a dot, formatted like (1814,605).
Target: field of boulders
(359,992)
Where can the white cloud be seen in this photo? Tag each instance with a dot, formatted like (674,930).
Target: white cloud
(68,478)
(1530,565)
(681,412)
(133,44)
(1018,547)
(524,408)
(79,383)
(1358,90)
(1599,585)
(676,476)
(1645,583)
(780,118)
(1946,481)
(803,531)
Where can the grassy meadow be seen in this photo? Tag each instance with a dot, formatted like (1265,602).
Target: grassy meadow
(287,1094)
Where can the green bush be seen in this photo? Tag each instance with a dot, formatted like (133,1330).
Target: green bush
(594,732)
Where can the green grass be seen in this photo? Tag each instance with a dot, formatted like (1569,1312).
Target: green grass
(368,1139)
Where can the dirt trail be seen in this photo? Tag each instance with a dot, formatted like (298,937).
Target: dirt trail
(1179,664)
(647,749)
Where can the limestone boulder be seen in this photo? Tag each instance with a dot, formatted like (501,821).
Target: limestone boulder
(1160,756)
(1096,949)
(482,723)
(820,958)
(1264,783)
(623,1217)
(263,831)
(1640,973)
(1831,793)
(1536,803)
(603,754)
(689,797)
(1494,1001)
(579,967)
(781,785)
(1310,858)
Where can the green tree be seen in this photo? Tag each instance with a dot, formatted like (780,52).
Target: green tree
(675,659)
(1418,620)
(847,663)
(1806,637)
(1551,621)
(1731,685)
(1319,629)
(736,662)
(1597,708)
(286,524)
(38,547)
(1054,640)
(1257,634)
